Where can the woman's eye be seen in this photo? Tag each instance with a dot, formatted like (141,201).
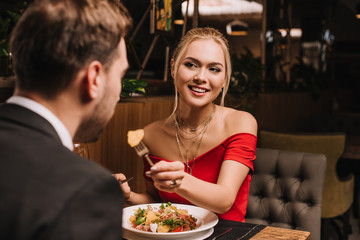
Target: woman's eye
(214,69)
(189,64)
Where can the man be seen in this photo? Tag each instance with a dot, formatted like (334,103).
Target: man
(69,57)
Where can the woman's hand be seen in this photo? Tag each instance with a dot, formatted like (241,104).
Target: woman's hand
(167,176)
(124,186)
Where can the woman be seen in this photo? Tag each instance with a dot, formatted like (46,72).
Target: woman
(202,152)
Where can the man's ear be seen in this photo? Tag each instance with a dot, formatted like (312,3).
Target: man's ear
(92,80)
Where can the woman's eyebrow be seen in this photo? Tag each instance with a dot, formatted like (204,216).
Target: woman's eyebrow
(192,59)
(197,61)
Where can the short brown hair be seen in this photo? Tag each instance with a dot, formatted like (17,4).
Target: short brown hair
(55,39)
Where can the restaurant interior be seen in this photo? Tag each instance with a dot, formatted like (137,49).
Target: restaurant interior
(295,68)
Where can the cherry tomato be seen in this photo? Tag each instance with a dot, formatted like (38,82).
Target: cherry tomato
(178,229)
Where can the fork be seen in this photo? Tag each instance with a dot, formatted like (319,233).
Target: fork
(143,151)
(126,180)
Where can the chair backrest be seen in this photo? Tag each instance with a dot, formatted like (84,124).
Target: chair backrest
(338,194)
(286,190)
(82,149)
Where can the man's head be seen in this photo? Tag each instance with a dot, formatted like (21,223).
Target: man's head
(73,50)
(55,39)
(108,96)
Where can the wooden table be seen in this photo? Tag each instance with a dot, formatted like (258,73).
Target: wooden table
(275,233)
(249,231)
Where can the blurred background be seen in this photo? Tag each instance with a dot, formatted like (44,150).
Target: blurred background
(295,68)
(277,46)
(292,59)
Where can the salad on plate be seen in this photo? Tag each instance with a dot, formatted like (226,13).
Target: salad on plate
(165,219)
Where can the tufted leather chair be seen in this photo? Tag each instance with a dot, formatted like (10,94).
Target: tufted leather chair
(286,190)
(338,194)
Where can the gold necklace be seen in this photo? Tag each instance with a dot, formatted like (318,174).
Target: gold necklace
(179,121)
(181,144)
(187,150)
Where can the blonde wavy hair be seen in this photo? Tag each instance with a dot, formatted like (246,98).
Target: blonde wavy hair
(200,34)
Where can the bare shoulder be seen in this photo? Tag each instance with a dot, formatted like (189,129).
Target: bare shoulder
(153,128)
(159,134)
(156,130)
(237,121)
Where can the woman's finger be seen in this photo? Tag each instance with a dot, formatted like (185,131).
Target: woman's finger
(167,166)
(167,175)
(119,176)
(168,185)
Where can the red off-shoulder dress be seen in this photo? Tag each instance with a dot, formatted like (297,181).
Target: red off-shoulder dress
(239,147)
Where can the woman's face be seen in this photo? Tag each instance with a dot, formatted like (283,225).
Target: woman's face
(201,73)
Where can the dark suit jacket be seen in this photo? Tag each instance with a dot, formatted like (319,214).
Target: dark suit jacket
(47,191)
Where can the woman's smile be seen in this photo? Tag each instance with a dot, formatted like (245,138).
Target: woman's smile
(198,90)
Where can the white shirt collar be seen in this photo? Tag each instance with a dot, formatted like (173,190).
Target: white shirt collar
(48,115)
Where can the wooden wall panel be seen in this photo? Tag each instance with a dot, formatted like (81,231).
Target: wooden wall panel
(112,150)
(290,111)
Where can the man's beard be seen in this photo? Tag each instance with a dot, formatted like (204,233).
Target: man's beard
(89,131)
(91,127)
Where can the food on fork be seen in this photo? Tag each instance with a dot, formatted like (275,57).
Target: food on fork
(135,140)
(135,137)
(163,220)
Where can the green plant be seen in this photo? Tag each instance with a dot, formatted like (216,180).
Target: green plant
(246,76)
(306,77)
(8,19)
(246,80)
(6,24)
(133,86)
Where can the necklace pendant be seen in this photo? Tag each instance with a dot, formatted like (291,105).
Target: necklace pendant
(197,133)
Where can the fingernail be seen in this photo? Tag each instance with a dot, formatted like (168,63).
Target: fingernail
(153,168)
(148,173)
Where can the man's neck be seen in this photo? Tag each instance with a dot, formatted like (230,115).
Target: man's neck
(63,108)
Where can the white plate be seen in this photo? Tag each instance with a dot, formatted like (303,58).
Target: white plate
(197,236)
(206,219)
